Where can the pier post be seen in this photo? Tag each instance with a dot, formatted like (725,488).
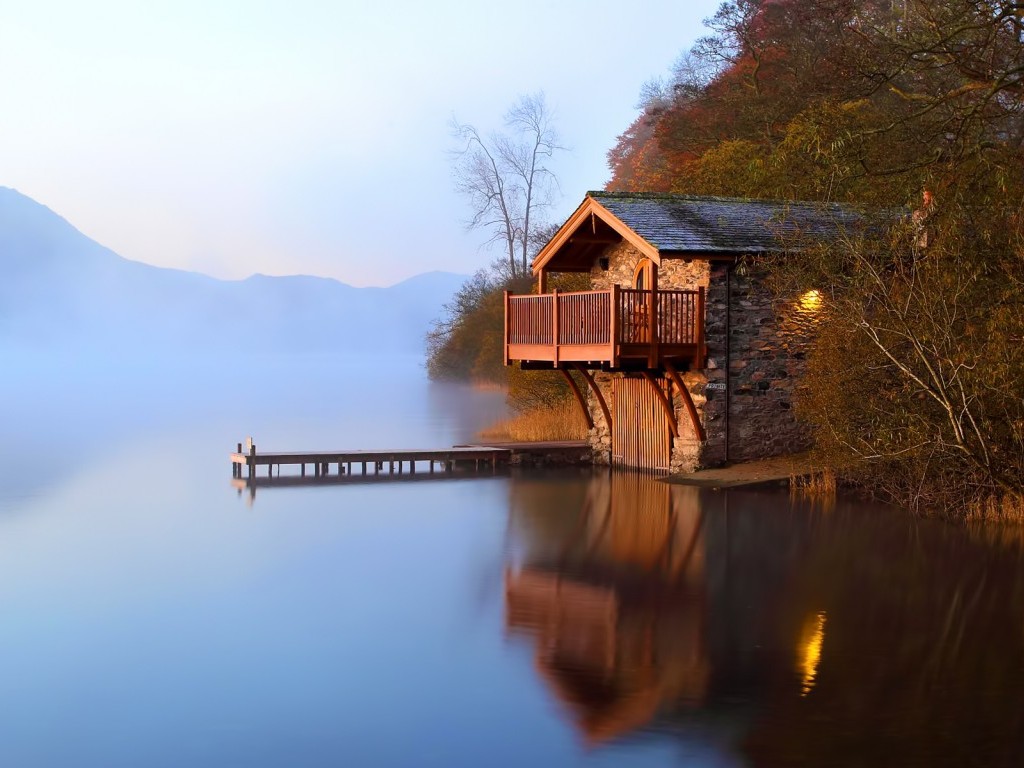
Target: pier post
(252,459)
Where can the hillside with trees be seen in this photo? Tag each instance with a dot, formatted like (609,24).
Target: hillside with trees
(915,384)
(841,100)
(911,110)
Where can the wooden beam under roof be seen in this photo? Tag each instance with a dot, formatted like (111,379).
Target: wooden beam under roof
(584,219)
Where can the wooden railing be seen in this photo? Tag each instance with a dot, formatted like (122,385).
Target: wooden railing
(595,325)
(529,319)
(584,317)
(679,314)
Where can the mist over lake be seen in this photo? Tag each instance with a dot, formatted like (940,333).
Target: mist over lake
(154,616)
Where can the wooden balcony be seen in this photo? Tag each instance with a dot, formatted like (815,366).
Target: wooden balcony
(613,329)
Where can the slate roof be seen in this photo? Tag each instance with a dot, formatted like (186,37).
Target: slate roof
(722,224)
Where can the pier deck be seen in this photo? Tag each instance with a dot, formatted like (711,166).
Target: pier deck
(367,462)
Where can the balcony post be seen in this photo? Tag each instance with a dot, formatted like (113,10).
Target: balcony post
(698,332)
(505,353)
(554,325)
(652,319)
(542,282)
(613,338)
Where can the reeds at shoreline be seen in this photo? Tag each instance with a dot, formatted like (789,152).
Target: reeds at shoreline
(816,487)
(1005,508)
(557,422)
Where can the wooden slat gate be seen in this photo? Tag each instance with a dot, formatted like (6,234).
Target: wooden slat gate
(641,438)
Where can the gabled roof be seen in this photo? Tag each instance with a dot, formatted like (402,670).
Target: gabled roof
(676,225)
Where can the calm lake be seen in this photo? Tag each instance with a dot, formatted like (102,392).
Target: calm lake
(150,615)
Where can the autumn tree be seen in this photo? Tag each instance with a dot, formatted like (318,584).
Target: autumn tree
(834,99)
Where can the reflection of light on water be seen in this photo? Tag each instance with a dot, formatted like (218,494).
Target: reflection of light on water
(809,653)
(810,301)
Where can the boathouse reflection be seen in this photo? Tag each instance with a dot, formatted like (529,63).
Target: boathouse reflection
(730,621)
(616,605)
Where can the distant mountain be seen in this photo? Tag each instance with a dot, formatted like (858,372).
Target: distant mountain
(59,287)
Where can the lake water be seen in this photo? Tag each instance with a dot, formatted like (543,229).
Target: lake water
(152,616)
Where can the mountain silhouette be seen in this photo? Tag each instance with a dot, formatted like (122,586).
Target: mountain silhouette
(61,288)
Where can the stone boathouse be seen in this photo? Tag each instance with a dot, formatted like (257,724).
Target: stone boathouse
(688,359)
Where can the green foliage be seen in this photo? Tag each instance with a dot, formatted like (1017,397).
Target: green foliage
(467,343)
(914,382)
(734,168)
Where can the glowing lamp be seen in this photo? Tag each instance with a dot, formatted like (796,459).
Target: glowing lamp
(810,301)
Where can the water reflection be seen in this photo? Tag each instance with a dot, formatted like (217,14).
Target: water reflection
(781,635)
(618,613)
(809,651)
(249,485)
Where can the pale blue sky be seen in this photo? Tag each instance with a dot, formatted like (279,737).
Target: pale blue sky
(305,136)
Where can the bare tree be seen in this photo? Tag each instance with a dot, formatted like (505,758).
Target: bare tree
(506,177)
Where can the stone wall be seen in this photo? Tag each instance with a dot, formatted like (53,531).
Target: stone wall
(715,319)
(760,368)
(674,274)
(601,435)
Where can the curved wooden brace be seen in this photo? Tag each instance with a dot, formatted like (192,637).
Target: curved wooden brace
(579,397)
(665,404)
(597,393)
(691,409)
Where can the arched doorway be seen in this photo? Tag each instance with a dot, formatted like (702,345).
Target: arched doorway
(642,275)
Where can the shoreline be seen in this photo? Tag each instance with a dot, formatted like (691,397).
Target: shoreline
(773,471)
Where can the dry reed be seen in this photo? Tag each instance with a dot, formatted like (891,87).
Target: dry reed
(1007,508)
(557,422)
(817,487)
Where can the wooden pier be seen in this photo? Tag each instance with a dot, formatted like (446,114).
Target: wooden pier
(386,465)
(364,463)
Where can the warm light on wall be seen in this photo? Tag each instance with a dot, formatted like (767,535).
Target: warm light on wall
(809,651)
(810,301)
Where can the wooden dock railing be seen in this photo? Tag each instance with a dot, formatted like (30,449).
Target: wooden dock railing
(598,326)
